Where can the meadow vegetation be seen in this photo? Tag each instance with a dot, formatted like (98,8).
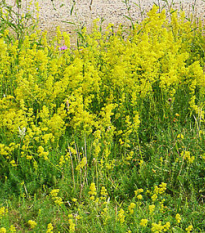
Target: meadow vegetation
(108,136)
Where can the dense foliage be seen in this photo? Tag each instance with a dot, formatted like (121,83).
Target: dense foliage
(106,137)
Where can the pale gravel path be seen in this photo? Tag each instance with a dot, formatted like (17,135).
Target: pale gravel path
(112,11)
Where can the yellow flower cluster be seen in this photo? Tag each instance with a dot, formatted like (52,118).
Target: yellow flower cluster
(121,216)
(54,195)
(186,156)
(32,224)
(131,208)
(71,224)
(3,211)
(157,228)
(92,191)
(49,228)
(2,230)
(138,195)
(143,222)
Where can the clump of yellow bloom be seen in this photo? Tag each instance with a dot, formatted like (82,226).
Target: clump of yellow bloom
(189,229)
(131,207)
(54,195)
(186,156)
(178,218)
(82,164)
(138,195)
(49,228)
(143,222)
(92,191)
(154,197)
(157,228)
(2,230)
(3,211)
(121,216)
(162,188)
(12,229)
(32,224)
(103,193)
(71,225)
(151,208)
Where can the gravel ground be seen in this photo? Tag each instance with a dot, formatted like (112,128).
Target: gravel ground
(112,11)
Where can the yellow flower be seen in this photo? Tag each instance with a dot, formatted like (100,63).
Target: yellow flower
(186,156)
(141,162)
(12,229)
(2,230)
(189,228)
(138,191)
(3,211)
(139,197)
(131,207)
(49,228)
(74,199)
(121,216)
(167,226)
(180,136)
(32,224)
(151,208)
(154,197)
(92,191)
(162,188)
(82,164)
(71,225)
(13,163)
(156,228)
(54,192)
(178,218)
(143,222)
(103,191)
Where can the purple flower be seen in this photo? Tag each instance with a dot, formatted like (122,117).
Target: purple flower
(63,48)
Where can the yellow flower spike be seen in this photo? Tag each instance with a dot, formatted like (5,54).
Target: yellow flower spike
(71,225)
(3,211)
(121,216)
(49,228)
(178,218)
(162,188)
(92,191)
(82,164)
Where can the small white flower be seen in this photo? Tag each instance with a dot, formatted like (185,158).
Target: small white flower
(22,132)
